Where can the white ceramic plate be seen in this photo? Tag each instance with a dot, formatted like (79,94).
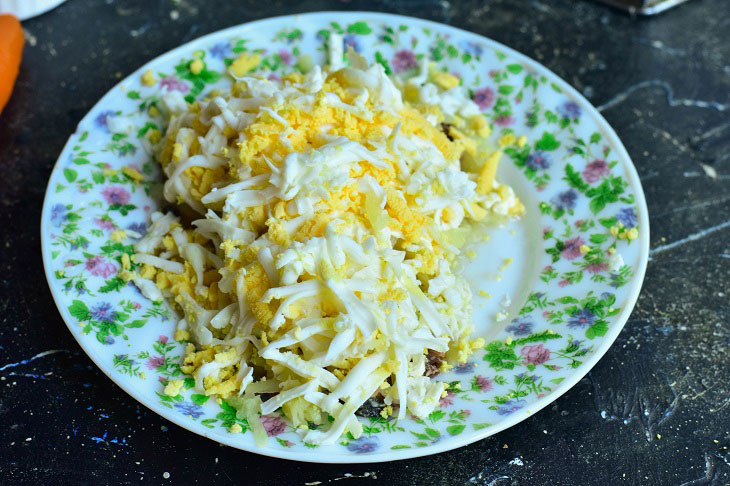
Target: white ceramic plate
(579,254)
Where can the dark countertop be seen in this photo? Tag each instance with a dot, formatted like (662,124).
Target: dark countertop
(655,410)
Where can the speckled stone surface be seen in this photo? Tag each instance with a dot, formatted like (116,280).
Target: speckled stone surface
(655,410)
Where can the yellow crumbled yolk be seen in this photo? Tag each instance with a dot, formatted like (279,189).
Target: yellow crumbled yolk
(173,387)
(445,80)
(148,78)
(196,66)
(243,64)
(154,135)
(181,335)
(118,235)
(126,263)
(485,180)
(133,174)
(506,140)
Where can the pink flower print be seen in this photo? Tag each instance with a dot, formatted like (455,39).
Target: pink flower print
(504,121)
(273,77)
(564,283)
(273,424)
(465,414)
(100,267)
(404,60)
(483,98)
(597,267)
(154,362)
(447,401)
(116,195)
(104,224)
(483,383)
(571,248)
(535,354)
(285,56)
(595,170)
(162,380)
(162,339)
(171,83)
(547,314)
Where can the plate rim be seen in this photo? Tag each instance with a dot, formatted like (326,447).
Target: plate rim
(386,456)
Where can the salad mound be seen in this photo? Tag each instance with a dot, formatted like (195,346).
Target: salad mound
(321,216)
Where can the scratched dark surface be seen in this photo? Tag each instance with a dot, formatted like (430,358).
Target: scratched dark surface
(655,410)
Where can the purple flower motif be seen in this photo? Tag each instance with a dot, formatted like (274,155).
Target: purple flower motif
(483,383)
(116,195)
(597,267)
(565,199)
(510,407)
(273,424)
(140,228)
(404,60)
(103,312)
(161,339)
(447,401)
(104,224)
(171,83)
(571,248)
(538,160)
(464,369)
(154,362)
(109,340)
(606,295)
(535,355)
(582,319)
(363,445)
(627,217)
(569,110)
(483,98)
(191,409)
(220,50)
(504,121)
(472,48)
(101,119)
(285,57)
(58,214)
(351,41)
(520,327)
(595,170)
(100,267)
